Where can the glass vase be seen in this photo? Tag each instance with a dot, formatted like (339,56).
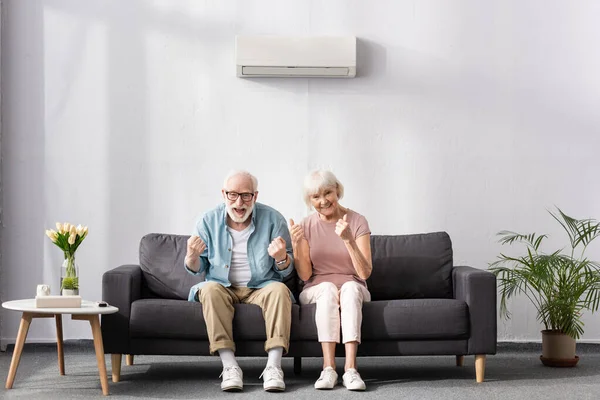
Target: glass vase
(69,276)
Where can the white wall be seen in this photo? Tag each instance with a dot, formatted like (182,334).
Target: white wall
(1,280)
(467,116)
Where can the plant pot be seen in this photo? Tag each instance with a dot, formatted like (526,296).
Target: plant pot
(558,349)
(70,292)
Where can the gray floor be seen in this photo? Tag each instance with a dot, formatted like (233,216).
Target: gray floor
(514,373)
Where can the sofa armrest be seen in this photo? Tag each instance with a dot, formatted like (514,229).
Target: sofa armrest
(120,287)
(477,288)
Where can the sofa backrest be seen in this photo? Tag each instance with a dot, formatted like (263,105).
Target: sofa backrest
(161,260)
(411,266)
(404,266)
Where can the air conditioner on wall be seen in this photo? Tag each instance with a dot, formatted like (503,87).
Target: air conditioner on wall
(277,56)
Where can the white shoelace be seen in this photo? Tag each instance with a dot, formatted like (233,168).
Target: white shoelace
(354,375)
(328,375)
(272,373)
(230,372)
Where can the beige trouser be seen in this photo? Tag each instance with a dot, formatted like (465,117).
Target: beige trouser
(217,307)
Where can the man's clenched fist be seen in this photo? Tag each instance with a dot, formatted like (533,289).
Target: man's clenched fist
(195,247)
(277,249)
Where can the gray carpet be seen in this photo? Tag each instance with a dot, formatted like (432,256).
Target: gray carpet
(514,373)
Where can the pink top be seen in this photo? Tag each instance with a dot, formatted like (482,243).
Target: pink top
(331,261)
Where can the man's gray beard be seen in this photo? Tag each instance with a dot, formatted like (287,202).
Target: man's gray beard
(237,219)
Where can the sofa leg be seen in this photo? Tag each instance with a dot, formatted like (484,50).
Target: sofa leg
(297,365)
(460,361)
(480,367)
(115,360)
(129,359)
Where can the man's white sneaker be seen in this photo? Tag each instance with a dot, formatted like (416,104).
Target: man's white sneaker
(233,379)
(352,380)
(272,379)
(327,380)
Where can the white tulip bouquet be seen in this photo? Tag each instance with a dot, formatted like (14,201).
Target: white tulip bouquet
(68,238)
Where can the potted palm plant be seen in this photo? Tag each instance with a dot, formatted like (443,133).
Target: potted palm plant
(561,285)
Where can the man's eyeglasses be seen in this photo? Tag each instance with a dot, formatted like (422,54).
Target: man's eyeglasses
(233,196)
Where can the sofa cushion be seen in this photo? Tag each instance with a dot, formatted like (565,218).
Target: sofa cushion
(162,263)
(167,318)
(411,266)
(180,319)
(412,319)
(422,319)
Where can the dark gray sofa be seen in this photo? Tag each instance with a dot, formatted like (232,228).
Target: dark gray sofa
(421,305)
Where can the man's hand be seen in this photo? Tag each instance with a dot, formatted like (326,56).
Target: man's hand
(195,247)
(277,249)
(297,233)
(342,229)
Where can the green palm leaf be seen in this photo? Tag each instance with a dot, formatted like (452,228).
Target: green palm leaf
(560,286)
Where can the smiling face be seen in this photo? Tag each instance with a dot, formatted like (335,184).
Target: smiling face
(325,201)
(239,187)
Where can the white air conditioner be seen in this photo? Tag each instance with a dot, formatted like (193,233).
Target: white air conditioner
(276,56)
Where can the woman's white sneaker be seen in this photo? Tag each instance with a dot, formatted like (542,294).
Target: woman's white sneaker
(233,379)
(327,380)
(352,380)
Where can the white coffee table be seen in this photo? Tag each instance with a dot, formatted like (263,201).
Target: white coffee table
(89,311)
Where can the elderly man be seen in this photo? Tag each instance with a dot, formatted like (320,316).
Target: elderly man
(244,248)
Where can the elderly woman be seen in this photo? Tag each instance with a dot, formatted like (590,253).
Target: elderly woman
(332,253)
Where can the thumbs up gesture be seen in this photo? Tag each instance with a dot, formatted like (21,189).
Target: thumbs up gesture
(296,232)
(342,229)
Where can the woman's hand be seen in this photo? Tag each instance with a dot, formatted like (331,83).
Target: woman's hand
(297,233)
(342,229)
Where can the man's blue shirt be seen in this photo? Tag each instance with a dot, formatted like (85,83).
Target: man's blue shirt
(267,224)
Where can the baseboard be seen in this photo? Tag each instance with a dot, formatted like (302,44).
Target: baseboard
(525,341)
(4,342)
(506,345)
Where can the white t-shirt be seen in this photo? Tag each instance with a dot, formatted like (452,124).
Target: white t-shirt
(239,271)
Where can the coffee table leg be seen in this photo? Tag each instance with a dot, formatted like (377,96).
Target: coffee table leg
(14,364)
(59,344)
(99,346)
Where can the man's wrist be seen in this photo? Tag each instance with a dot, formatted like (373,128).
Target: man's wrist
(280,263)
(192,264)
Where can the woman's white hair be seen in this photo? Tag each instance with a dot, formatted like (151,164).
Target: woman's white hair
(320,179)
(241,173)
